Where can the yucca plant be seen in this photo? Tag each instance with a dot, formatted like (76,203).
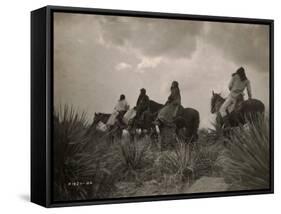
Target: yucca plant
(246,162)
(133,155)
(205,157)
(74,166)
(178,161)
(217,134)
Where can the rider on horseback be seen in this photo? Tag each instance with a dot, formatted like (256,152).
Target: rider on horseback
(142,105)
(236,86)
(120,109)
(168,113)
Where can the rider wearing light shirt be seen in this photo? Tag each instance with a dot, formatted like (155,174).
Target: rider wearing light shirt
(122,104)
(119,110)
(236,86)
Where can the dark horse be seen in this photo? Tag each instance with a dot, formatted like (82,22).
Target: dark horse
(246,110)
(187,120)
(145,122)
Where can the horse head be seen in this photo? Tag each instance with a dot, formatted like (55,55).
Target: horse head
(97,118)
(100,117)
(216,102)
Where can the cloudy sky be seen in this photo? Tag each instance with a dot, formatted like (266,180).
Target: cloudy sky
(97,58)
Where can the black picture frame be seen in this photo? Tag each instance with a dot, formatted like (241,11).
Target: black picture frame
(42,103)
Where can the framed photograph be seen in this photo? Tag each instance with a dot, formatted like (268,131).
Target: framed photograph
(134,106)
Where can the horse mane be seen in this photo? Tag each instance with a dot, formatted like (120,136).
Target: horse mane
(215,100)
(220,97)
(152,102)
(154,106)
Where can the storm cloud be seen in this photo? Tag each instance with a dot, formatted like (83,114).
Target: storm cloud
(96,58)
(152,37)
(243,43)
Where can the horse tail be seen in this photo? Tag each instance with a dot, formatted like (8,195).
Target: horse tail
(253,109)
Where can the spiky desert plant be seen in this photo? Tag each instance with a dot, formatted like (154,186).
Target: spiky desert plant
(178,161)
(133,155)
(217,134)
(75,168)
(246,162)
(205,157)
(71,162)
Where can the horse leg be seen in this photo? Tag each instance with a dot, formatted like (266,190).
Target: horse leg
(152,134)
(167,137)
(219,120)
(157,136)
(119,134)
(110,138)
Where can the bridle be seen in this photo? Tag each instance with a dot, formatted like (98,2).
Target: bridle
(217,101)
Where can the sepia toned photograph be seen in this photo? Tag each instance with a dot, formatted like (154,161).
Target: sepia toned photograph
(146,106)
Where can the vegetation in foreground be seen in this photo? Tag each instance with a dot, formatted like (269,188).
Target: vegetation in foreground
(88,166)
(246,163)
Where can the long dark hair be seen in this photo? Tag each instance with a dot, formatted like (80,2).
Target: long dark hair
(241,73)
(122,97)
(175,84)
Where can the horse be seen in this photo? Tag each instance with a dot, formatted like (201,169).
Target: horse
(245,111)
(99,121)
(100,117)
(145,122)
(189,120)
(186,122)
